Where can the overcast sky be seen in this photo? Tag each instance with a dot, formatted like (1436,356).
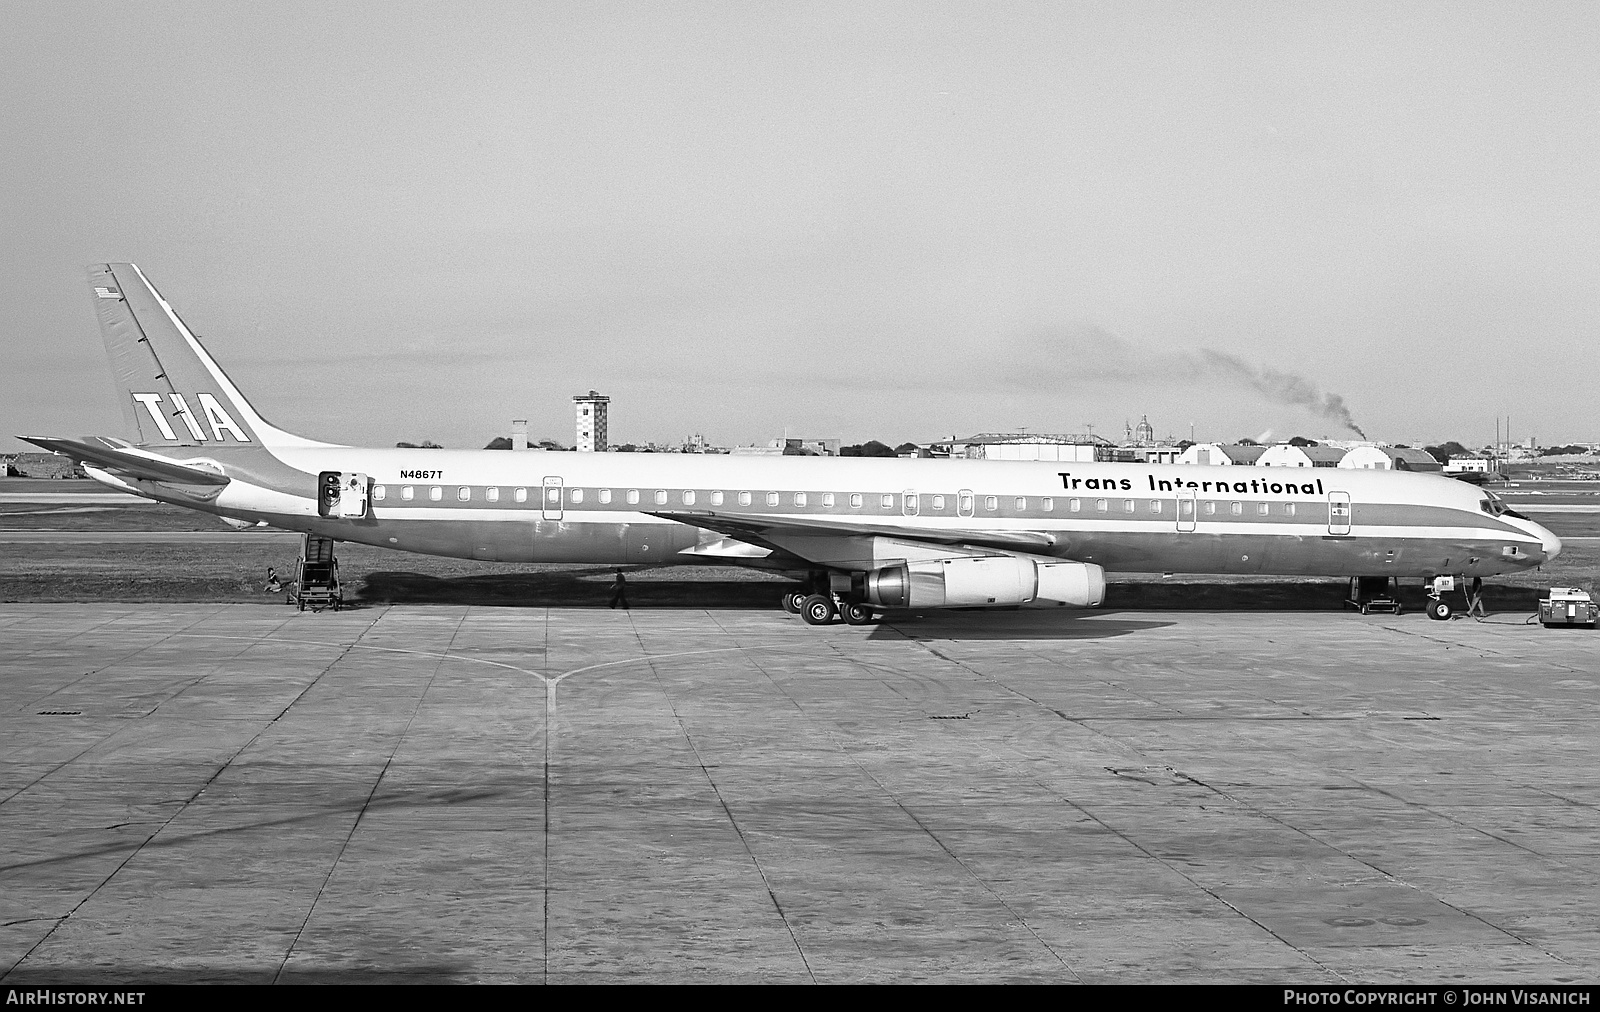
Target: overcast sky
(895,221)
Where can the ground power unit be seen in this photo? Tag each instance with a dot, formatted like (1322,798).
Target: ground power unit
(1568,606)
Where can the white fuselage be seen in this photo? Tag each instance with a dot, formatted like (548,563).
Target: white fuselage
(616,508)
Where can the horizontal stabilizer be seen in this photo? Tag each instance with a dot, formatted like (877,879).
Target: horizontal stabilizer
(117,456)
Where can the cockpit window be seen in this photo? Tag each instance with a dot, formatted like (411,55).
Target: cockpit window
(1492,505)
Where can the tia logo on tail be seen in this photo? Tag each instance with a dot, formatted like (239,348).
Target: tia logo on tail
(216,415)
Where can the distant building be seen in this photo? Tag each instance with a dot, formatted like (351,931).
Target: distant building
(697,443)
(1157,454)
(1288,455)
(519,433)
(1033,446)
(1468,465)
(1390,458)
(591,421)
(792,446)
(45,465)
(1224,454)
(1143,434)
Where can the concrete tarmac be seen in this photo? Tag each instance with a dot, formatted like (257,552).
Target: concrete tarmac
(196,793)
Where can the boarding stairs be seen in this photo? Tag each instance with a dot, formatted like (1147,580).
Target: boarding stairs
(317,581)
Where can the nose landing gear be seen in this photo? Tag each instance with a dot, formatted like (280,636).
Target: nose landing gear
(1440,610)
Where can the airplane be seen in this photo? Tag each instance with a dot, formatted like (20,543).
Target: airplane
(867,534)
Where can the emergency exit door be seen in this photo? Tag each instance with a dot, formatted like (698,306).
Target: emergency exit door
(1185,510)
(1338,512)
(550,501)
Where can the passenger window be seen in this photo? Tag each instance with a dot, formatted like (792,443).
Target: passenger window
(938,502)
(1155,505)
(492,494)
(378,493)
(1048,503)
(552,493)
(744,498)
(661,497)
(1261,508)
(1127,505)
(799,498)
(1211,508)
(633,497)
(436,493)
(1100,504)
(577,496)
(716,498)
(913,503)
(888,502)
(1074,504)
(1022,503)
(964,504)
(1288,509)
(521,495)
(688,497)
(1237,509)
(855,500)
(772,498)
(991,502)
(827,499)
(464,493)
(407,493)
(605,495)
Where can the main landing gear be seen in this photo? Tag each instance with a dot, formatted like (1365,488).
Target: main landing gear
(819,604)
(1440,610)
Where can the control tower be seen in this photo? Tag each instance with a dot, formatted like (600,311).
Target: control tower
(591,430)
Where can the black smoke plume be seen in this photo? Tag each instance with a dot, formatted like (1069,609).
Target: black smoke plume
(1283,387)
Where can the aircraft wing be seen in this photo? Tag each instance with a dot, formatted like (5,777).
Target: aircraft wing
(761,530)
(122,459)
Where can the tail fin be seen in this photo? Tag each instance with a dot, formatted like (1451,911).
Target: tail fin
(173,392)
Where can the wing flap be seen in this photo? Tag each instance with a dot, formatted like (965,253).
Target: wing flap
(757,528)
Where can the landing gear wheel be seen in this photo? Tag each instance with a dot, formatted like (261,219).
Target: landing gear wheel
(856,613)
(817,609)
(1439,610)
(792,600)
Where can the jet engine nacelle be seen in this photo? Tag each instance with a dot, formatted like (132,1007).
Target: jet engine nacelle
(988,581)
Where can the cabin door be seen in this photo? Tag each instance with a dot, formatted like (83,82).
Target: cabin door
(964,499)
(550,504)
(1185,510)
(1338,512)
(909,503)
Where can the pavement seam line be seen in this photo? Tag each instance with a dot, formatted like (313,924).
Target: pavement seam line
(101,740)
(722,802)
(960,862)
(1127,747)
(837,745)
(1433,894)
(544,935)
(114,732)
(183,807)
(377,782)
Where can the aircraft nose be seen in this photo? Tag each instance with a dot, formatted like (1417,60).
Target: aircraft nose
(1552,544)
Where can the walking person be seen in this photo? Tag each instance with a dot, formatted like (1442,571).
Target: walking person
(619,592)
